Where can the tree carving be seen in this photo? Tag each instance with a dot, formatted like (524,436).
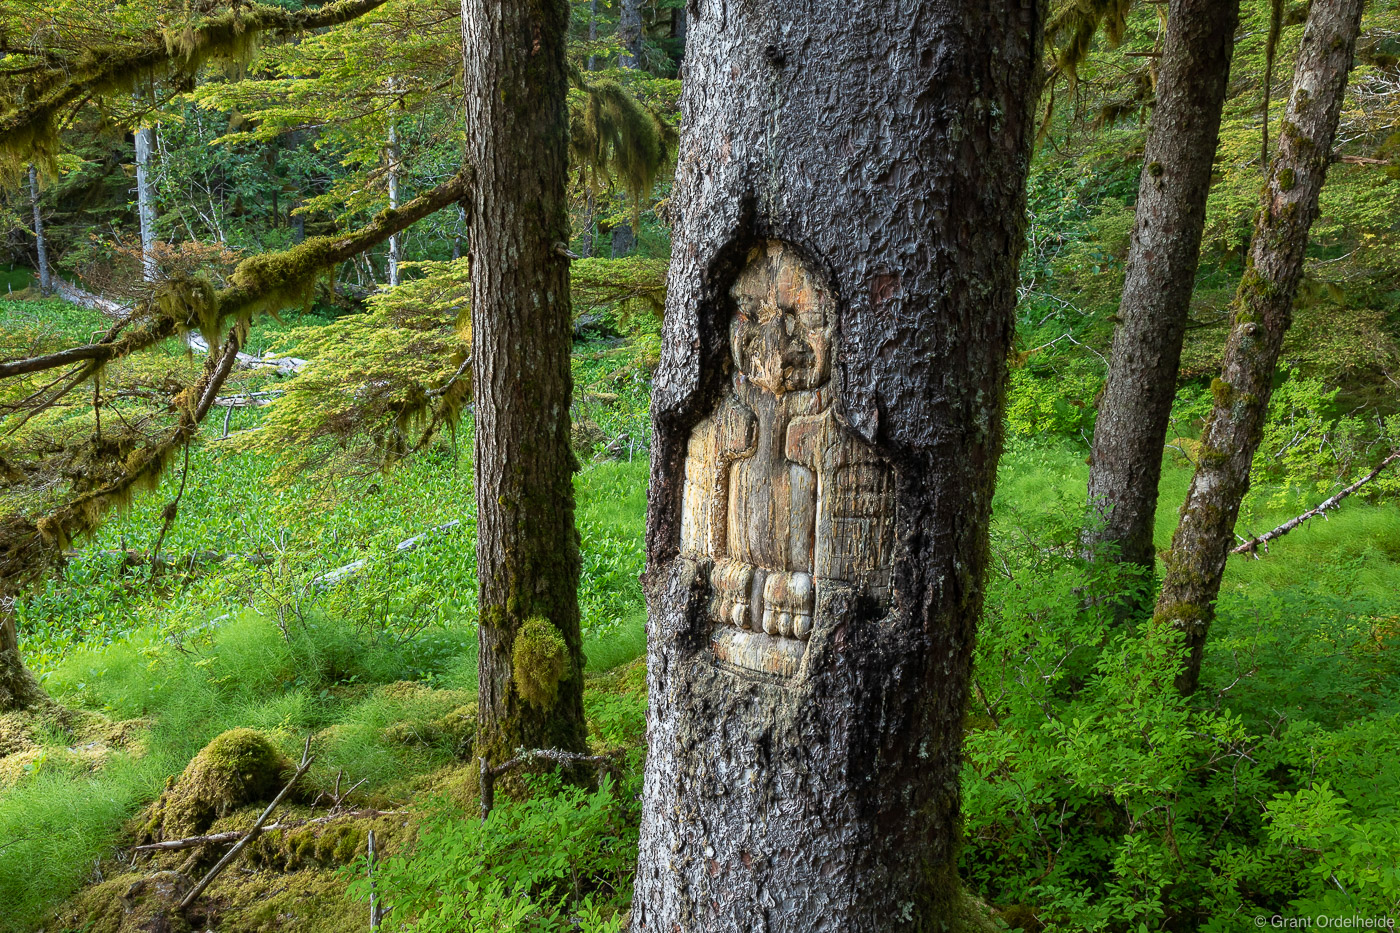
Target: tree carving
(780,499)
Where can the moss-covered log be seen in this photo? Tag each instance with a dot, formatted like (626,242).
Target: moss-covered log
(1261,315)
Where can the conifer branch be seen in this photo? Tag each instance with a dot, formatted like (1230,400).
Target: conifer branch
(30,128)
(260,284)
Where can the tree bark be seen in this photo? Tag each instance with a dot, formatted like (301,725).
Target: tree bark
(391,156)
(41,246)
(1126,459)
(146,201)
(1261,315)
(517,128)
(19,689)
(629,33)
(827,413)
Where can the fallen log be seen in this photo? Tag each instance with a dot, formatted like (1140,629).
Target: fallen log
(285,365)
(247,399)
(83,298)
(341,574)
(233,835)
(1251,547)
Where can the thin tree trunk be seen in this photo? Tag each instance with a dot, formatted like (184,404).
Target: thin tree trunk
(146,201)
(531,660)
(41,246)
(1262,313)
(1126,461)
(826,419)
(391,156)
(592,34)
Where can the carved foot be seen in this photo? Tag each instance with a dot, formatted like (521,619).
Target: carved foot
(788,599)
(733,584)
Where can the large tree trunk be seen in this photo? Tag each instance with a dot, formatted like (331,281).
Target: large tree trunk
(1262,313)
(531,687)
(827,412)
(146,201)
(1126,462)
(19,689)
(41,246)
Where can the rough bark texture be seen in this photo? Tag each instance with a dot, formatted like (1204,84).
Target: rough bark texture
(1262,313)
(883,146)
(629,33)
(1126,460)
(146,201)
(41,246)
(531,691)
(19,689)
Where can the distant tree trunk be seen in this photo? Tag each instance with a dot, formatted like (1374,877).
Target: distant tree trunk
(590,211)
(41,246)
(19,690)
(146,201)
(1126,460)
(592,34)
(517,129)
(1261,314)
(629,33)
(391,156)
(623,241)
(827,424)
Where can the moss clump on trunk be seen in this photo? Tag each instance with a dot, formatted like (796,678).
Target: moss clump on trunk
(238,767)
(539,661)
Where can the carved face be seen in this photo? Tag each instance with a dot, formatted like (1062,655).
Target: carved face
(781,331)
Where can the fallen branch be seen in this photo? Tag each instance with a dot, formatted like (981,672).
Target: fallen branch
(341,574)
(1251,546)
(233,835)
(306,759)
(247,399)
(85,299)
(522,758)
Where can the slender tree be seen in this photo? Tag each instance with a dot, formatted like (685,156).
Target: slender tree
(1126,460)
(393,158)
(41,246)
(146,201)
(850,200)
(1260,317)
(517,129)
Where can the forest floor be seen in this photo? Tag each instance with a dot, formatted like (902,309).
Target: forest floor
(1299,710)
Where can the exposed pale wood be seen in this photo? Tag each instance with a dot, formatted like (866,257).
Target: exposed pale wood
(780,499)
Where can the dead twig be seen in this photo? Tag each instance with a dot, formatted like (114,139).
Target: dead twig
(1251,546)
(522,757)
(306,759)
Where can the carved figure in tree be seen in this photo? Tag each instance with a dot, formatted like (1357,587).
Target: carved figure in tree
(780,499)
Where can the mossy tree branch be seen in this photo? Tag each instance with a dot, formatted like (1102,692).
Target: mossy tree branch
(29,130)
(260,284)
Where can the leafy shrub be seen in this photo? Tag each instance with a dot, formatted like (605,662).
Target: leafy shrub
(561,860)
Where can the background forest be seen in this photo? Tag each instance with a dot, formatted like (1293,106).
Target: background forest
(307,566)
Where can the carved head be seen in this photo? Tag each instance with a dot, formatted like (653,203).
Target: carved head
(781,331)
